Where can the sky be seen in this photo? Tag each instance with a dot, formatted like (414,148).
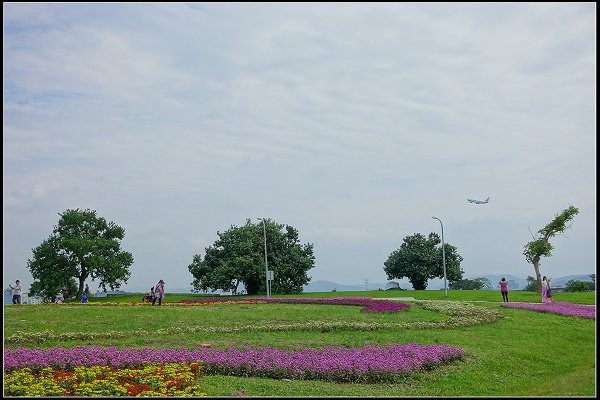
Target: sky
(355,123)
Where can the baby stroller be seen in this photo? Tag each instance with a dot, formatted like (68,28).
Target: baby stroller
(149,296)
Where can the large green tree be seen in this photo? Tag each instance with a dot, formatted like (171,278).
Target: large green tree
(237,257)
(81,246)
(540,246)
(420,259)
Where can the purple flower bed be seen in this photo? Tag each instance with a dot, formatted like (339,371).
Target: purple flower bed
(562,308)
(364,364)
(368,304)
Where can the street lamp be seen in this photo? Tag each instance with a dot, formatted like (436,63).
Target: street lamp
(443,256)
(266,268)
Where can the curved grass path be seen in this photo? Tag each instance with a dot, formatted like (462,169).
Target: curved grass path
(460,314)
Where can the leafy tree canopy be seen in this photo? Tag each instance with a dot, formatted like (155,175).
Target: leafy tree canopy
(420,259)
(81,246)
(238,257)
(541,247)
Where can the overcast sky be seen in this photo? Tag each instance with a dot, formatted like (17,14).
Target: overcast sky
(354,123)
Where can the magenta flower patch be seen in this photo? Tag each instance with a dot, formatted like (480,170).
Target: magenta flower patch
(363,364)
(562,308)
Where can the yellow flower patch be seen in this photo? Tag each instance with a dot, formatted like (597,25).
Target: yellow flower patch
(172,379)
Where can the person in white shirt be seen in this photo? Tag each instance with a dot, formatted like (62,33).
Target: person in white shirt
(546,292)
(16,292)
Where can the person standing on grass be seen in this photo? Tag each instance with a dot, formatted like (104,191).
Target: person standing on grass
(16,292)
(504,289)
(159,292)
(546,292)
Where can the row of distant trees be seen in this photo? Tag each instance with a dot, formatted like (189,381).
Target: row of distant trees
(484,283)
(581,286)
(85,246)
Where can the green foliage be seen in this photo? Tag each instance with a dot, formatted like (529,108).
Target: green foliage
(46,289)
(579,286)
(485,282)
(81,246)
(71,287)
(419,259)
(540,245)
(471,284)
(238,257)
(531,284)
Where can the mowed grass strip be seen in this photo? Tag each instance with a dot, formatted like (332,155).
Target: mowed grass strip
(99,319)
(519,355)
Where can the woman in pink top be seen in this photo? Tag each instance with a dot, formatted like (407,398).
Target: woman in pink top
(504,289)
(159,292)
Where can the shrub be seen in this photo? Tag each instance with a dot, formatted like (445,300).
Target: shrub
(579,286)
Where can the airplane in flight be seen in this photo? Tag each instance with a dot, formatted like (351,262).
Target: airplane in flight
(479,201)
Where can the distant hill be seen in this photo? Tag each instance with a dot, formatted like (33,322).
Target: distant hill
(515,283)
(328,286)
(562,281)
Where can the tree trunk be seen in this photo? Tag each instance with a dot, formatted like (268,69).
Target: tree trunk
(418,284)
(538,276)
(82,277)
(536,264)
(80,290)
(252,287)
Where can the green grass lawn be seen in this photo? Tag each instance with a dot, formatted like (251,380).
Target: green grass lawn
(525,353)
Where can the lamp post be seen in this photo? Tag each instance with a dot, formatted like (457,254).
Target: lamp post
(443,256)
(266,268)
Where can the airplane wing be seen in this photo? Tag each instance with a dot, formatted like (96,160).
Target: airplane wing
(471,201)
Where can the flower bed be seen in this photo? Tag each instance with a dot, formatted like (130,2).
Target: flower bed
(364,364)
(562,308)
(171,379)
